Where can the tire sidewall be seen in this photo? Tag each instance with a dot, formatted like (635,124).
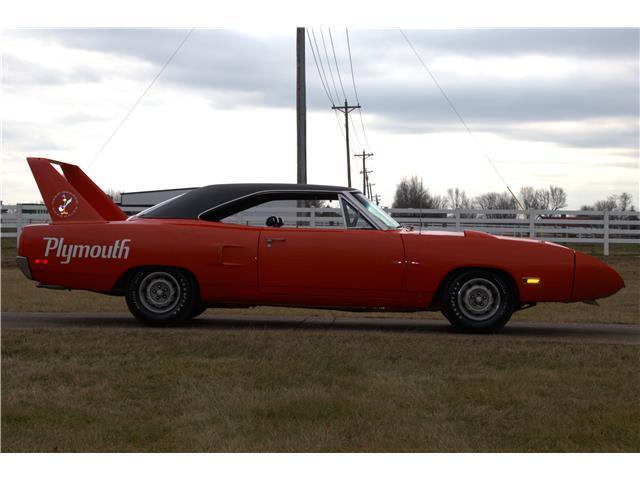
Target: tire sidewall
(457,317)
(183,311)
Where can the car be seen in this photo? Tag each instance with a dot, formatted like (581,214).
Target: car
(238,245)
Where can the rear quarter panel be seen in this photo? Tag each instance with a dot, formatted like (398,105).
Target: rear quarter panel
(223,258)
(430,257)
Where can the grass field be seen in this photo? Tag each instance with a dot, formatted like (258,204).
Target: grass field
(21,295)
(258,389)
(199,390)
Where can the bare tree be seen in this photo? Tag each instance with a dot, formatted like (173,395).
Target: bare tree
(552,198)
(411,193)
(621,202)
(114,194)
(558,198)
(313,203)
(530,198)
(457,198)
(496,201)
(624,202)
(610,204)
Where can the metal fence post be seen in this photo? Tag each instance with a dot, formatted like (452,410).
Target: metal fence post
(606,233)
(312,221)
(532,223)
(457,214)
(19,221)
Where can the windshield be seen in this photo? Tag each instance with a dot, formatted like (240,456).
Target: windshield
(376,211)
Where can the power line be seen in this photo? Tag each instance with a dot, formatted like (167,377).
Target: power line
(322,81)
(346,109)
(355,90)
(355,132)
(326,80)
(335,59)
(318,69)
(339,124)
(365,173)
(326,54)
(460,118)
(142,96)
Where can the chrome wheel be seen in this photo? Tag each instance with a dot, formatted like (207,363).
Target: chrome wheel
(163,296)
(159,292)
(479,299)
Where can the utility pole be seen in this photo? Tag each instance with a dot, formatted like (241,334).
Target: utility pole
(301,105)
(346,109)
(364,172)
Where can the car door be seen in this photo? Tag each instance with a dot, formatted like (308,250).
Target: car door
(331,266)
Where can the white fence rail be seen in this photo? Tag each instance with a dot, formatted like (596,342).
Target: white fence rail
(562,226)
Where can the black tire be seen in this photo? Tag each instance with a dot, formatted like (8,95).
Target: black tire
(479,301)
(162,297)
(200,309)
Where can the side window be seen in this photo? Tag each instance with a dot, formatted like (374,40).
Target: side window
(354,218)
(292,213)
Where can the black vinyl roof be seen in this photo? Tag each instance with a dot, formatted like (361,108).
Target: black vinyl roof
(233,197)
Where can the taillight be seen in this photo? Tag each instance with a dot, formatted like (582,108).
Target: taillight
(41,261)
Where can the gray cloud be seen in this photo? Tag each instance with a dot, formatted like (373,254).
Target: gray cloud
(573,42)
(24,136)
(153,44)
(509,102)
(236,70)
(19,72)
(79,117)
(216,60)
(625,137)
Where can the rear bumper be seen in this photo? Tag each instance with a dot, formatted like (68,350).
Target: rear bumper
(23,263)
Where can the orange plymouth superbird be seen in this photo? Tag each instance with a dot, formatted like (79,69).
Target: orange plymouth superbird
(228,245)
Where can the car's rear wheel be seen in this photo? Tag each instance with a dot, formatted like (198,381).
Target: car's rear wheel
(479,301)
(162,296)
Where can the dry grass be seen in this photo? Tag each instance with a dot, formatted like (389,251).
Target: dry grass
(312,390)
(21,295)
(255,390)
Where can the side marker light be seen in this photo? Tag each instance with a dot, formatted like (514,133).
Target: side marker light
(531,280)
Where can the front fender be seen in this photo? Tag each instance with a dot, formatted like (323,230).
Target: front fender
(432,256)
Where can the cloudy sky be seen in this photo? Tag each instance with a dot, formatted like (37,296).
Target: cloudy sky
(548,106)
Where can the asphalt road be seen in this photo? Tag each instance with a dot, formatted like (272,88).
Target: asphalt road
(568,332)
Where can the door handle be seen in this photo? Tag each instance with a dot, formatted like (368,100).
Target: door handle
(271,240)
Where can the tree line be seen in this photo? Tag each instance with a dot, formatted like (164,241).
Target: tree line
(411,193)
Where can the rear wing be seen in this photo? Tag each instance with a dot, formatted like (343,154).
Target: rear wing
(72,197)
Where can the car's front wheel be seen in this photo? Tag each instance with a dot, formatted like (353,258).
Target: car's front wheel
(478,301)
(162,296)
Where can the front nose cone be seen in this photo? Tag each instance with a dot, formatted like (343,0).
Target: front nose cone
(594,279)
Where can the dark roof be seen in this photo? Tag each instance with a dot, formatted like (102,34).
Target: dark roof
(239,195)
